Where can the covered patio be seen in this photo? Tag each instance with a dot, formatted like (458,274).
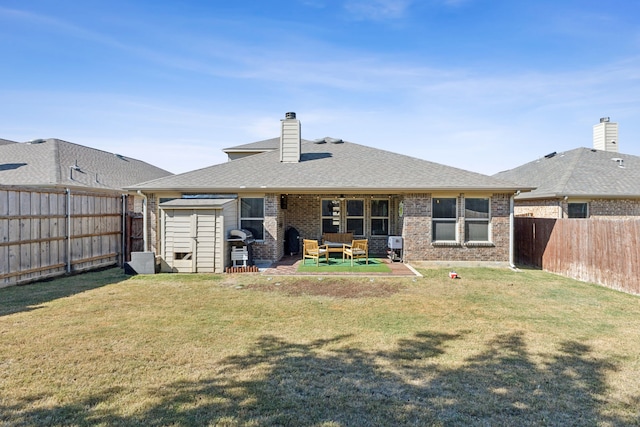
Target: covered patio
(289,264)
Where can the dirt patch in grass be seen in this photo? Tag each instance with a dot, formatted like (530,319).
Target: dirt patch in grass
(335,288)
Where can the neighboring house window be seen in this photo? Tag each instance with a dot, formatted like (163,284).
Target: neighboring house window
(577,210)
(252,216)
(444,215)
(355,217)
(476,219)
(380,217)
(331,216)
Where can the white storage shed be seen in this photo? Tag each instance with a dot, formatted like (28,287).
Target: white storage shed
(194,232)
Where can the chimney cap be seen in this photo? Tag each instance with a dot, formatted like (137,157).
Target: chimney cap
(290,115)
(604,119)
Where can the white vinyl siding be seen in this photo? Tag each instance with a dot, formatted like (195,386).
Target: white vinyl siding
(195,239)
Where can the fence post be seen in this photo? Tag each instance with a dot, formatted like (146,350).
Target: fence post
(68,232)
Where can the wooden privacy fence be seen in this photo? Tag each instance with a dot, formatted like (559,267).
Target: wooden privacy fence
(49,232)
(603,251)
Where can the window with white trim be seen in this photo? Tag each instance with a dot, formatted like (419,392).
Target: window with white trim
(444,219)
(252,216)
(330,216)
(355,217)
(380,217)
(476,219)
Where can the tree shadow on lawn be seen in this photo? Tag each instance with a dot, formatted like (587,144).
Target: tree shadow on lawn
(31,296)
(324,383)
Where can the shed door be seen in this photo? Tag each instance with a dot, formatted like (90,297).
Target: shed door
(190,237)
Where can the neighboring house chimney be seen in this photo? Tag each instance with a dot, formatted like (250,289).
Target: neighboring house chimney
(605,135)
(290,139)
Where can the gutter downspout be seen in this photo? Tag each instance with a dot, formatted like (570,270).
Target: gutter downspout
(511,231)
(68,236)
(144,221)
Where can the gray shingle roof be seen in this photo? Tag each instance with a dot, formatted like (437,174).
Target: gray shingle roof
(6,141)
(345,167)
(582,172)
(48,163)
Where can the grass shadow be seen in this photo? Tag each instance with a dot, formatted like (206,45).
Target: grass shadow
(327,383)
(31,296)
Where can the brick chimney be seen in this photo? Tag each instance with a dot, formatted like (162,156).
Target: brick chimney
(290,139)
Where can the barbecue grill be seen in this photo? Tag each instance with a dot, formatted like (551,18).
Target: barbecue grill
(240,242)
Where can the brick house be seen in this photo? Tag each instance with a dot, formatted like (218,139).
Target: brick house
(329,185)
(581,183)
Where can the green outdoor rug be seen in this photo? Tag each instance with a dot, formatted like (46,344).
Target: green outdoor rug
(336,265)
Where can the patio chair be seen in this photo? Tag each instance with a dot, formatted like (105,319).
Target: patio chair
(311,249)
(357,249)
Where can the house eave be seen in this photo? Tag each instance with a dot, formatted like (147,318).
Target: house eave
(558,196)
(343,190)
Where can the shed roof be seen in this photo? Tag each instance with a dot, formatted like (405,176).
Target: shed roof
(195,203)
(329,166)
(57,163)
(582,172)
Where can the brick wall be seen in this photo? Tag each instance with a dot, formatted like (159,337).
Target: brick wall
(614,208)
(271,248)
(418,241)
(558,208)
(538,208)
(153,224)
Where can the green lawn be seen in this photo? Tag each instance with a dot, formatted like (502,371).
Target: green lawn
(495,347)
(338,265)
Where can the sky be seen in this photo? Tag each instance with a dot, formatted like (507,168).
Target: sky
(482,85)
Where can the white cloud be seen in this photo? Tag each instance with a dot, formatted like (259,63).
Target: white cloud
(377,10)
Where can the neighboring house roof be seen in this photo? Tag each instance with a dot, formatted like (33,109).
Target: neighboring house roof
(582,172)
(6,141)
(329,166)
(57,163)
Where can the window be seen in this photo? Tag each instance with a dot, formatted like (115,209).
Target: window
(355,217)
(476,222)
(577,210)
(444,219)
(252,216)
(331,216)
(380,217)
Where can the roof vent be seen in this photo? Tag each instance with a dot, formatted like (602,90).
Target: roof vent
(550,155)
(619,161)
(329,140)
(36,141)
(290,115)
